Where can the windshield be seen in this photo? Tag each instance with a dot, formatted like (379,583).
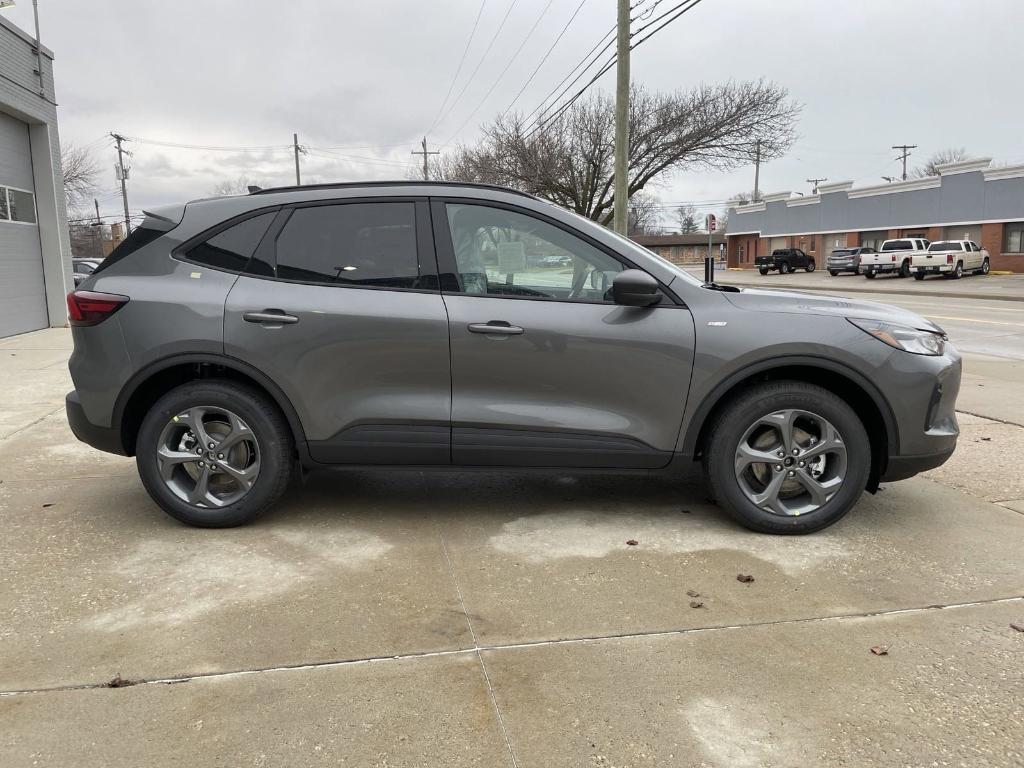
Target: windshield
(946,245)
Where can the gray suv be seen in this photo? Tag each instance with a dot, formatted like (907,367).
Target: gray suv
(228,343)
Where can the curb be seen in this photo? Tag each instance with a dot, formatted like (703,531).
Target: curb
(896,291)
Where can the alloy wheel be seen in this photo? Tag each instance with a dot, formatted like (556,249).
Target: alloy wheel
(208,457)
(790,462)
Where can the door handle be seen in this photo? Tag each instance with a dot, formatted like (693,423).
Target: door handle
(271,317)
(496,327)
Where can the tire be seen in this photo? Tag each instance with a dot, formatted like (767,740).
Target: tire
(263,450)
(763,270)
(870,275)
(833,272)
(985,267)
(784,268)
(810,266)
(742,414)
(919,275)
(957,272)
(905,268)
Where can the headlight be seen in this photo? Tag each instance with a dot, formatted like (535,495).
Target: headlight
(913,340)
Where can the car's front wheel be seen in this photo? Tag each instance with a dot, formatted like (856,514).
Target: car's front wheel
(810,266)
(985,267)
(784,268)
(787,457)
(214,453)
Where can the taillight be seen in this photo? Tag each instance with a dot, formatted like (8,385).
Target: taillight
(91,308)
(949,258)
(894,257)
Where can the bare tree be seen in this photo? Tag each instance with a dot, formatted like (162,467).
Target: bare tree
(930,168)
(239,186)
(644,216)
(569,159)
(688,219)
(79,170)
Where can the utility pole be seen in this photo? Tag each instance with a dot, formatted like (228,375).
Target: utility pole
(815,182)
(122,174)
(97,229)
(620,219)
(757,170)
(905,153)
(295,146)
(424,152)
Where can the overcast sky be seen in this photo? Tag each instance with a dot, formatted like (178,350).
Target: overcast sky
(362,81)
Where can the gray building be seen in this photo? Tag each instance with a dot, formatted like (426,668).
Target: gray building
(35,254)
(968,200)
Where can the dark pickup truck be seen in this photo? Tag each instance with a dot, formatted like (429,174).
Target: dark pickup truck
(785,260)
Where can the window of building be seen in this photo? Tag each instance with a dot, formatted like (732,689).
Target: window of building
(1013,237)
(17,205)
(873,239)
(232,248)
(505,253)
(355,244)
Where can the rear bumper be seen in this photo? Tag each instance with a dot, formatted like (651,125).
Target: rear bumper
(103,438)
(933,270)
(878,268)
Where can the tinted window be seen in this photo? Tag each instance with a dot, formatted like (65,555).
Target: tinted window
(83,267)
(898,245)
(371,244)
(946,245)
(140,236)
(843,252)
(506,253)
(232,248)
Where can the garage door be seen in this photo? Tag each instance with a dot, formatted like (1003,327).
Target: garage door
(831,242)
(22,293)
(778,243)
(964,232)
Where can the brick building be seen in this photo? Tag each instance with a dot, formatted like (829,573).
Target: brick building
(683,249)
(968,200)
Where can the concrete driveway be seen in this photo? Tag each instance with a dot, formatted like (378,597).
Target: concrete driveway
(410,619)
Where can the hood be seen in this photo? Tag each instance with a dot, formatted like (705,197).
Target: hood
(802,303)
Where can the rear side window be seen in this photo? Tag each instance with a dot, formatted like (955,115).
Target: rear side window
(140,236)
(232,248)
(357,244)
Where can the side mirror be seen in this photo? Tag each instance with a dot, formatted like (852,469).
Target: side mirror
(635,288)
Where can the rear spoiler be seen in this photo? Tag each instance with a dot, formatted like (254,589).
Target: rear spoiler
(164,218)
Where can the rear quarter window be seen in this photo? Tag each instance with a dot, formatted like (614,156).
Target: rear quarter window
(140,236)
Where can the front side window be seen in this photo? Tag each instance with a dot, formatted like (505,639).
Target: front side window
(506,253)
(355,244)
(232,248)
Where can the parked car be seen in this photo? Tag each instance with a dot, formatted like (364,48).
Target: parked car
(846,259)
(228,342)
(785,260)
(556,261)
(894,257)
(951,258)
(82,268)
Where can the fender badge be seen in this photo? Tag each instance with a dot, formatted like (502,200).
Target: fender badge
(717,323)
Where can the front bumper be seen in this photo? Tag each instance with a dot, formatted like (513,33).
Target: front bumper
(902,467)
(104,438)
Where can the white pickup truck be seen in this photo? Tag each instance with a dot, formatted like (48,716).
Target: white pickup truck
(950,258)
(895,256)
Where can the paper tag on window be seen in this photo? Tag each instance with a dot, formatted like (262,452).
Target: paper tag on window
(511,257)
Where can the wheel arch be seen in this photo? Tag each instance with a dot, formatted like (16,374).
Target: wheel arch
(865,398)
(150,383)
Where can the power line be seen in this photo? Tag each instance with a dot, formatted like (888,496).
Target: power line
(206,147)
(458,70)
(545,57)
(476,69)
(500,76)
(611,62)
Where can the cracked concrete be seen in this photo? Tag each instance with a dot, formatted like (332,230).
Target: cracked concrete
(401,619)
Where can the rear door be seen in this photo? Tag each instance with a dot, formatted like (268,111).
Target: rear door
(341,308)
(546,369)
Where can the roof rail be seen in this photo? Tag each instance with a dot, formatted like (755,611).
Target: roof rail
(357,184)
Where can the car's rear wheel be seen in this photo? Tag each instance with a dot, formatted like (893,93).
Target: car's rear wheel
(810,266)
(958,271)
(833,272)
(214,454)
(787,457)
(869,275)
(919,275)
(763,270)
(905,268)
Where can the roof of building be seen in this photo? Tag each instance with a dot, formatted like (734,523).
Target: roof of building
(691,238)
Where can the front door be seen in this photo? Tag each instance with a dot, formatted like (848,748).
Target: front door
(344,314)
(546,369)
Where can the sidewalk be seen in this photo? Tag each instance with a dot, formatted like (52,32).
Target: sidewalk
(991,287)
